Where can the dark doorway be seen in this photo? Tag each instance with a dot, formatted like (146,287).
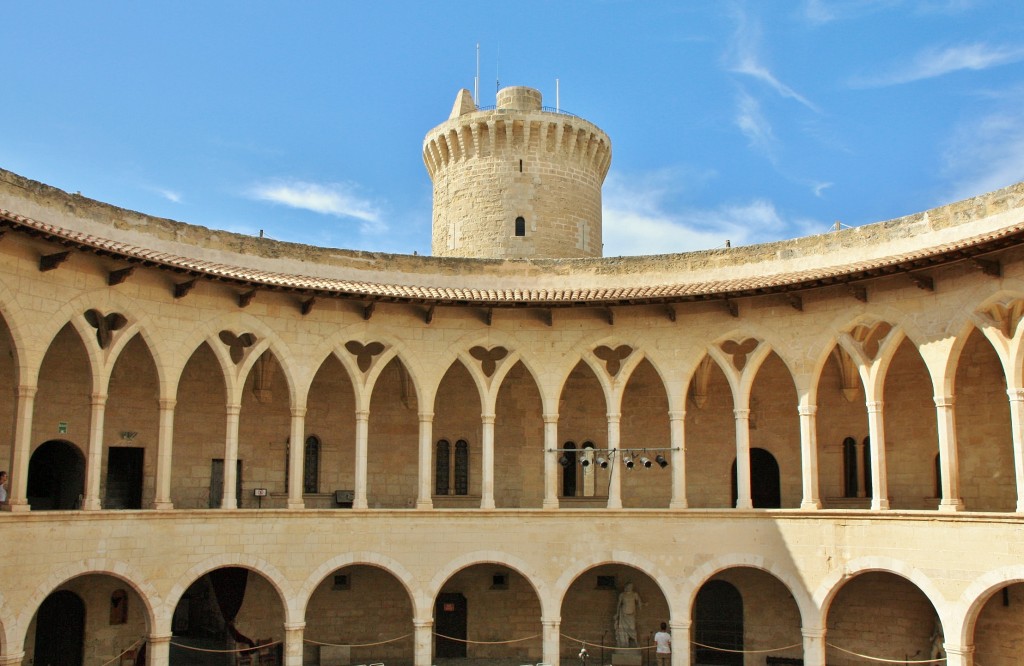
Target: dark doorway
(719,624)
(56,476)
(450,615)
(217,483)
(765,491)
(60,630)
(124,477)
(568,462)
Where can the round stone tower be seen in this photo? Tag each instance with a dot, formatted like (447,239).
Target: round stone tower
(516,181)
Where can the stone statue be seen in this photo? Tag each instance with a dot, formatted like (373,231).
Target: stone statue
(625,617)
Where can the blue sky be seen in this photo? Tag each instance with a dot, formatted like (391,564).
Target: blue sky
(746,121)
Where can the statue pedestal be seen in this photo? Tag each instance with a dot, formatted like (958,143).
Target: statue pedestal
(627,658)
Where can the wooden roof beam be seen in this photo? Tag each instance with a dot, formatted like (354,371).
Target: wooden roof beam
(119,276)
(48,262)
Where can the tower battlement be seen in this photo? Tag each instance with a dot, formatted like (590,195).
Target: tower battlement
(516,180)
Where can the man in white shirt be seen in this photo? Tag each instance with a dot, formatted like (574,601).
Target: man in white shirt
(3,487)
(663,640)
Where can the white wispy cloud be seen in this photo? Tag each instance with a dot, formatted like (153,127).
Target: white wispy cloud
(820,12)
(638,221)
(934,62)
(754,125)
(984,155)
(170,195)
(744,58)
(337,199)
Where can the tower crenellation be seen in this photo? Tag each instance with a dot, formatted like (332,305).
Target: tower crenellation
(516,180)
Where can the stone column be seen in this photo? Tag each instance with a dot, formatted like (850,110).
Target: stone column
(424,494)
(94,460)
(809,456)
(13,659)
(229,500)
(680,630)
(21,448)
(293,632)
(164,456)
(550,461)
(423,638)
(616,466)
(743,500)
(949,463)
(487,462)
(814,646)
(1016,396)
(959,655)
(362,437)
(879,477)
(550,630)
(297,458)
(677,458)
(158,649)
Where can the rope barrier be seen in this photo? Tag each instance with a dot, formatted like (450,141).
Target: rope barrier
(235,651)
(125,651)
(356,645)
(721,649)
(889,661)
(469,642)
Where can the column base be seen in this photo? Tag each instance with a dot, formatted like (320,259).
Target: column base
(424,505)
(549,504)
(810,505)
(92,504)
(295,505)
(880,505)
(12,659)
(951,505)
(163,506)
(744,504)
(16,507)
(487,504)
(680,504)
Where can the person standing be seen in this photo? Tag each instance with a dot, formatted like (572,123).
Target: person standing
(663,640)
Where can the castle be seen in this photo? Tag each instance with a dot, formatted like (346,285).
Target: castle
(808,451)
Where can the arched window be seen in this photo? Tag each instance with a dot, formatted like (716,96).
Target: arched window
(520,226)
(442,465)
(461,467)
(311,466)
(568,462)
(850,474)
(765,490)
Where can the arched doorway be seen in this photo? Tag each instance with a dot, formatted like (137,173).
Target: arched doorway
(718,623)
(60,630)
(765,491)
(56,476)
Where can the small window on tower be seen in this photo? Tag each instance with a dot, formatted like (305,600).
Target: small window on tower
(520,226)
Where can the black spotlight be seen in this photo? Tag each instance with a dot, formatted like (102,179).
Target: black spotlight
(628,459)
(645,461)
(660,459)
(585,461)
(564,461)
(602,462)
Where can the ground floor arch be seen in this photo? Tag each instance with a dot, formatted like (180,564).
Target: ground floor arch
(90,619)
(593,608)
(56,476)
(999,629)
(881,615)
(496,608)
(359,614)
(230,608)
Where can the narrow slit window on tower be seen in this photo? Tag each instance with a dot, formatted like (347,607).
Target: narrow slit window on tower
(520,166)
(520,226)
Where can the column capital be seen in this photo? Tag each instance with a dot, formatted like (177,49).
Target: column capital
(159,638)
(741,414)
(959,650)
(422,624)
(812,632)
(944,400)
(425,417)
(676,414)
(551,622)
(1015,394)
(30,390)
(167,404)
(98,399)
(362,415)
(293,626)
(614,417)
(487,419)
(298,412)
(807,410)
(233,408)
(874,406)
(553,418)
(682,625)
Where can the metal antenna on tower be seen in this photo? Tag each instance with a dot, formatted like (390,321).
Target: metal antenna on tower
(476,79)
(558,99)
(497,81)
